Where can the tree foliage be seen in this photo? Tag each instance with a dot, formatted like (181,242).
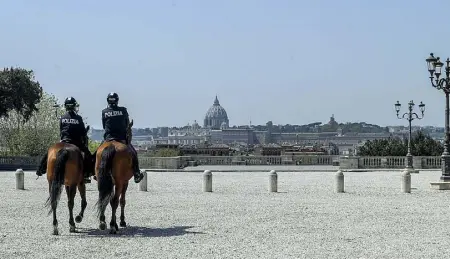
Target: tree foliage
(166,152)
(421,145)
(32,136)
(361,127)
(19,92)
(93,145)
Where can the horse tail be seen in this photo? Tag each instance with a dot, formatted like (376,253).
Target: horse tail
(60,170)
(105,180)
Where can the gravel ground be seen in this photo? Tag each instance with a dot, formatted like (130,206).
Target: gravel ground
(240,219)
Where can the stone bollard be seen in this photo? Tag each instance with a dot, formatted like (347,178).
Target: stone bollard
(339,182)
(20,180)
(143,183)
(207,181)
(406,181)
(273,181)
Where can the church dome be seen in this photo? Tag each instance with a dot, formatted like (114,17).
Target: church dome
(216,116)
(216,111)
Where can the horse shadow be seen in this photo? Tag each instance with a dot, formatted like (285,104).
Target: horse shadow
(135,231)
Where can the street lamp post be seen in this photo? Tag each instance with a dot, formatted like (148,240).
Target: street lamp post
(410,116)
(435,68)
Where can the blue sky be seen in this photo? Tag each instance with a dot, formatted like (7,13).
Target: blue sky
(289,61)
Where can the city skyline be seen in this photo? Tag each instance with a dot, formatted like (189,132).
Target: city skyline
(404,125)
(285,61)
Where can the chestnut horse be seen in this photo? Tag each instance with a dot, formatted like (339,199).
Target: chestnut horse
(113,170)
(65,167)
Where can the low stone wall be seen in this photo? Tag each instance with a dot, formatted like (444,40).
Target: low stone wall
(345,162)
(31,163)
(264,160)
(391,162)
(14,162)
(163,162)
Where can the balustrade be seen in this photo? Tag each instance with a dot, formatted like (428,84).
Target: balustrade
(349,162)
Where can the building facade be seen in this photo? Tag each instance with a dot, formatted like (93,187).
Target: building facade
(216,131)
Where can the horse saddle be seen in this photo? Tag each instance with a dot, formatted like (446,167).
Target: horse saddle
(118,140)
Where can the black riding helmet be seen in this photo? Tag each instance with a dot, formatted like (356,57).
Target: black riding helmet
(70,104)
(113,99)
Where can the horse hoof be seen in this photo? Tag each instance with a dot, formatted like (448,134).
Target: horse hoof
(123,224)
(72,229)
(55,232)
(113,231)
(102,226)
(78,219)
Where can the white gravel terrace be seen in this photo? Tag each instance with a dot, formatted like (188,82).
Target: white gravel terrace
(239,219)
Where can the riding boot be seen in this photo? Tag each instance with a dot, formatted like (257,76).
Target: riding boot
(42,169)
(94,157)
(87,165)
(136,172)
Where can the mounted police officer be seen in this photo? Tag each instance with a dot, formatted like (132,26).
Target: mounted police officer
(73,131)
(115,120)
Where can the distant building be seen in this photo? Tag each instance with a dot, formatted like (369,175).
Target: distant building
(229,136)
(163,131)
(216,117)
(270,141)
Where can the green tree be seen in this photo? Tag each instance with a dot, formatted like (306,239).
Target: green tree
(424,145)
(166,152)
(19,92)
(32,136)
(93,145)
(329,128)
(421,145)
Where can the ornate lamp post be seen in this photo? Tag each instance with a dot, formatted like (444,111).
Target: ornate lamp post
(435,69)
(410,116)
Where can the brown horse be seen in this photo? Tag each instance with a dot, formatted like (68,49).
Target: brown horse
(65,167)
(113,170)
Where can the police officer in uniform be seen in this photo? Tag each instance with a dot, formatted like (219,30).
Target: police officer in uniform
(115,122)
(73,131)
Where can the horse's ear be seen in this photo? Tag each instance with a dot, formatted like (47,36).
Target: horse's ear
(131,123)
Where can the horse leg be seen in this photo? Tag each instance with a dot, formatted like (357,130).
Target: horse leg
(82,190)
(102,225)
(122,206)
(114,205)
(53,205)
(102,217)
(55,221)
(71,191)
